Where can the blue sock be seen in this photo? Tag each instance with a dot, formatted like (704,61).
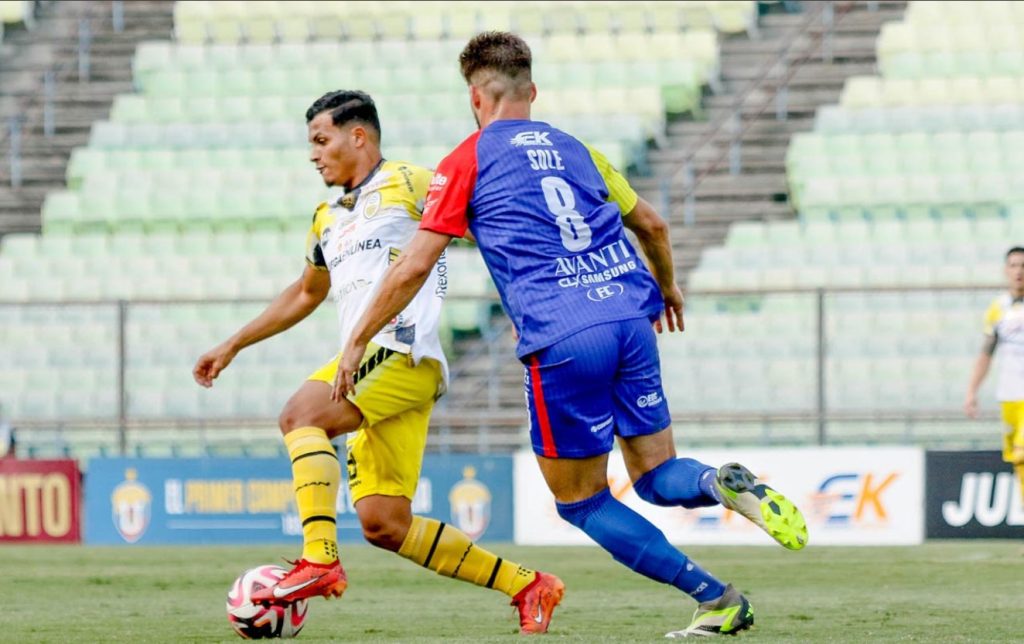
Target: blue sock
(635,542)
(679,481)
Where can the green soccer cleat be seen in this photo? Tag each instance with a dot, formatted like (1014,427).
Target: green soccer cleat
(775,514)
(727,615)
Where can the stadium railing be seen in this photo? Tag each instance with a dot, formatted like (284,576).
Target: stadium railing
(760,367)
(812,38)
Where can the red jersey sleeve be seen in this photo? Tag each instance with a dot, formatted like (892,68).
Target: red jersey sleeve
(447,205)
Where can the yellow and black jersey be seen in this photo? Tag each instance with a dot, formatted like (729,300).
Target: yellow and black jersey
(359,235)
(1004,322)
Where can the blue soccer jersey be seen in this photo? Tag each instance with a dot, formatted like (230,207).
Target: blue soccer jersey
(546,211)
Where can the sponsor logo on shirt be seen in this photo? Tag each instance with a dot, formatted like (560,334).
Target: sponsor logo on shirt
(442,275)
(530,138)
(595,267)
(349,248)
(353,286)
(438,181)
(407,176)
(652,399)
(601,293)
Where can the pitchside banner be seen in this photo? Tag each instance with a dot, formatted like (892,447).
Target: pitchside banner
(850,496)
(244,500)
(972,495)
(39,501)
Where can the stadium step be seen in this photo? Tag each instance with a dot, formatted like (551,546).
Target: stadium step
(760,191)
(692,132)
(754,155)
(26,55)
(811,74)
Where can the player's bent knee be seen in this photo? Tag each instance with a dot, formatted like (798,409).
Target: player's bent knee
(384,533)
(645,489)
(291,418)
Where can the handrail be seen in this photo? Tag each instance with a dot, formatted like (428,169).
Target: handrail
(495,415)
(735,115)
(518,419)
(26,103)
(828,290)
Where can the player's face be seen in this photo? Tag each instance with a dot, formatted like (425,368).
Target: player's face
(331,149)
(1015,272)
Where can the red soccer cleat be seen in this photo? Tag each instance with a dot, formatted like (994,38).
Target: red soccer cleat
(306,579)
(536,603)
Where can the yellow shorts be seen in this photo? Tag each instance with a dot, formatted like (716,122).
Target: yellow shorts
(385,454)
(1013,439)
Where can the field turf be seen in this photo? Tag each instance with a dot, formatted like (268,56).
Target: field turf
(943,591)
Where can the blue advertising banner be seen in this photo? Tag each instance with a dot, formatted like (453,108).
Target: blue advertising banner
(246,500)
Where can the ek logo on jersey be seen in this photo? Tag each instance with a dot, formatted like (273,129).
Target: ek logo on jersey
(530,138)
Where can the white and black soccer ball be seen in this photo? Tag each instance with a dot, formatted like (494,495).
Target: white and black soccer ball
(255,621)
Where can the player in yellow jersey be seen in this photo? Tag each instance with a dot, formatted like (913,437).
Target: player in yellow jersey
(350,245)
(1004,330)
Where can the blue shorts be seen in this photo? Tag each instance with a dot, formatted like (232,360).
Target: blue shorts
(598,383)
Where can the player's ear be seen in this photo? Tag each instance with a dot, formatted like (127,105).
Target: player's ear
(475,97)
(533,92)
(359,136)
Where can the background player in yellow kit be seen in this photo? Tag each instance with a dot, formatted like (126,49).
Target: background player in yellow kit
(1004,330)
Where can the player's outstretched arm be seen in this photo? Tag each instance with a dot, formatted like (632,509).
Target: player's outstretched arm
(981,367)
(292,305)
(401,283)
(652,233)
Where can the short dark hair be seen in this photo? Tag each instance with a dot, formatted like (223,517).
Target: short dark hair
(346,106)
(500,52)
(1015,249)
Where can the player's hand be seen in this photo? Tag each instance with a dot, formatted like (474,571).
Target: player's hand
(673,310)
(344,381)
(971,406)
(211,363)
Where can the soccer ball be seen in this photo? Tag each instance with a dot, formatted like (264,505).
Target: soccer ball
(257,622)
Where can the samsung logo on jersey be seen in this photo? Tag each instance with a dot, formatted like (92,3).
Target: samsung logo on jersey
(530,138)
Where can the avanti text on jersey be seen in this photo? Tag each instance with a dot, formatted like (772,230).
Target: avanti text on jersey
(596,266)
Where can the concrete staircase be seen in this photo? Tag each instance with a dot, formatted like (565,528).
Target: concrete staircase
(759,191)
(26,56)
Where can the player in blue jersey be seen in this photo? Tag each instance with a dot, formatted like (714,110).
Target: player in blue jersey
(549,215)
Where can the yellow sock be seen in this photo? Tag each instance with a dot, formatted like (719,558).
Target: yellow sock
(448,551)
(316,474)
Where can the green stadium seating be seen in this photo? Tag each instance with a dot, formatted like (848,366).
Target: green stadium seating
(158,206)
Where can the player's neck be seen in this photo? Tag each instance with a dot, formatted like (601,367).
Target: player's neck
(363,171)
(506,111)
(1016,293)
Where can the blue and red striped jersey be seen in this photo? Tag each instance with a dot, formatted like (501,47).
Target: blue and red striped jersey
(546,211)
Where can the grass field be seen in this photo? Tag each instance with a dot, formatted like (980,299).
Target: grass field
(945,591)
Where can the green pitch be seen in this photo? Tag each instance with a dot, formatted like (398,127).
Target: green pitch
(938,592)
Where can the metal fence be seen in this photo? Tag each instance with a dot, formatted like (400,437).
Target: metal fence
(761,367)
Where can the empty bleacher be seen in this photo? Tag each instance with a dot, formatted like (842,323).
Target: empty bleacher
(911,181)
(197,187)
